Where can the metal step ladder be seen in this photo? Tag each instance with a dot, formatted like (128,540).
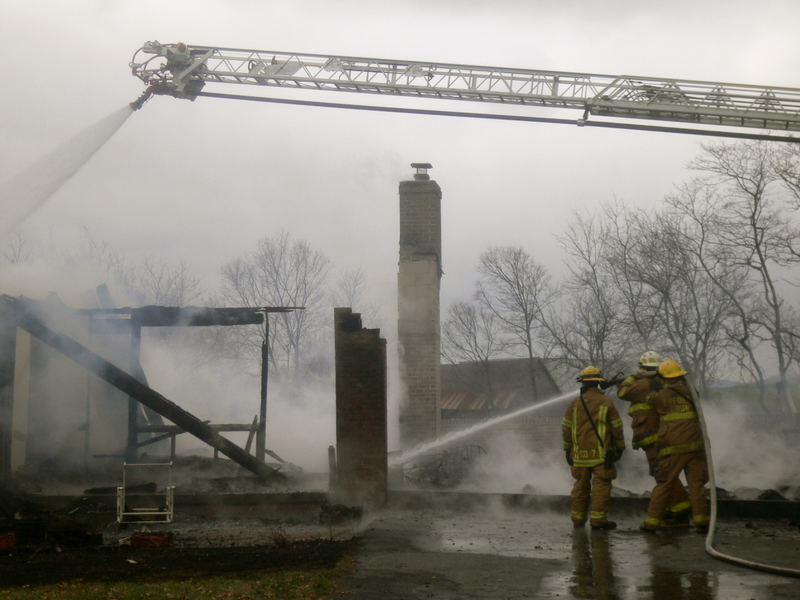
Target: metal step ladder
(149,506)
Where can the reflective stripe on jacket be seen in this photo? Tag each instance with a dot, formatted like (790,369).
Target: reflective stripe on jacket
(579,436)
(644,419)
(679,430)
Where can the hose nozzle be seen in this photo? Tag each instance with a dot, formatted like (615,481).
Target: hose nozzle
(139,102)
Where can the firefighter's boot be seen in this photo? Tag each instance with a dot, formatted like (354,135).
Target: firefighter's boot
(678,519)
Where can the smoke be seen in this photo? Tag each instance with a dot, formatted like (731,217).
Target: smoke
(300,410)
(748,456)
(511,466)
(184,364)
(41,276)
(749,450)
(64,417)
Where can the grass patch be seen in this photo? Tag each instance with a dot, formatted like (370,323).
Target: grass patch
(290,584)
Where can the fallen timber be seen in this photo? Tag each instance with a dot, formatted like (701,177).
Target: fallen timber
(25,318)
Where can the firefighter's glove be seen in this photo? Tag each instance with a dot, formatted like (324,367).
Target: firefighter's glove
(612,456)
(616,380)
(568,456)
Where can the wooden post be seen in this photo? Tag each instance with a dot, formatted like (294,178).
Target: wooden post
(332,469)
(8,351)
(251,434)
(131,453)
(87,414)
(261,434)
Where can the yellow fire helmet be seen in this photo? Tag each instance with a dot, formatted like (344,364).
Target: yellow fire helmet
(650,359)
(669,369)
(590,373)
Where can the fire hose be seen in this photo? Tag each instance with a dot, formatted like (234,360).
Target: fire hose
(712,525)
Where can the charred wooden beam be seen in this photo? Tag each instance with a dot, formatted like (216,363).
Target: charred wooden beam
(159,438)
(217,427)
(135,389)
(116,319)
(170,316)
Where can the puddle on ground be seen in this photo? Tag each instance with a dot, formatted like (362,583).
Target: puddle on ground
(622,564)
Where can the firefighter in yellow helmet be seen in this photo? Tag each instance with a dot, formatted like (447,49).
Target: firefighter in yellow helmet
(680,448)
(593,442)
(645,422)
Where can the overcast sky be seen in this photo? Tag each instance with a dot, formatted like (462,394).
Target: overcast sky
(203,181)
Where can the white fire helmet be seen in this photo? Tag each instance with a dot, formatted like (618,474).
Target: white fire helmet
(650,360)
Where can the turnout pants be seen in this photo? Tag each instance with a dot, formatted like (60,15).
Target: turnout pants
(591,493)
(678,500)
(668,468)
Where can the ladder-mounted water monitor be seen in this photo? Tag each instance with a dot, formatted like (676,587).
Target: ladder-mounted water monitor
(617,101)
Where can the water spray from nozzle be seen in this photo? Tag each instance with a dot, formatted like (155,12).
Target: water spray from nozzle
(28,190)
(460,434)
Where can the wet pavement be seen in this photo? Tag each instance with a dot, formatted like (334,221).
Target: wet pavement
(504,554)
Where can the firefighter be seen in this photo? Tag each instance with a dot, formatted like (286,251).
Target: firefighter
(593,441)
(679,447)
(644,422)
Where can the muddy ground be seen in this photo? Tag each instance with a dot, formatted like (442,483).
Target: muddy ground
(444,548)
(495,553)
(59,539)
(30,567)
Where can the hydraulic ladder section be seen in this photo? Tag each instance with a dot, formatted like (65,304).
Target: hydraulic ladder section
(182,71)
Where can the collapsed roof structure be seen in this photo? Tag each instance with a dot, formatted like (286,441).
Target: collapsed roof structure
(145,406)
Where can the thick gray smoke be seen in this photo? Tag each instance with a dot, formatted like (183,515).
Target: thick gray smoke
(300,414)
(747,461)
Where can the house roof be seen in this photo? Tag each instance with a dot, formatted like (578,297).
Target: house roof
(499,385)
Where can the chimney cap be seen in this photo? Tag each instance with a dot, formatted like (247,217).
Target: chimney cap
(421,170)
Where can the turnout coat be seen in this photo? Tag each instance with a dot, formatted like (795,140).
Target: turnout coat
(587,447)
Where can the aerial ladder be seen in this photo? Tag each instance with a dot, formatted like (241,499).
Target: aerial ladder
(612,101)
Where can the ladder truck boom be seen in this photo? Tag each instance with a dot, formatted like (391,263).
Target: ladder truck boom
(183,71)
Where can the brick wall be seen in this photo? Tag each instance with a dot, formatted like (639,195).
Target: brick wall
(8,332)
(361,438)
(419,339)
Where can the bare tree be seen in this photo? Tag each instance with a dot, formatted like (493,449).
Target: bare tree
(472,334)
(587,326)
(153,280)
(281,273)
(350,289)
(701,208)
(17,250)
(623,262)
(156,281)
(786,165)
(516,289)
(754,230)
(690,312)
(634,284)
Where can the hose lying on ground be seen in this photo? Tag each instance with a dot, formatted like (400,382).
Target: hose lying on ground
(712,525)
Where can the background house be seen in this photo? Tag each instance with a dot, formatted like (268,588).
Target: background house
(475,392)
